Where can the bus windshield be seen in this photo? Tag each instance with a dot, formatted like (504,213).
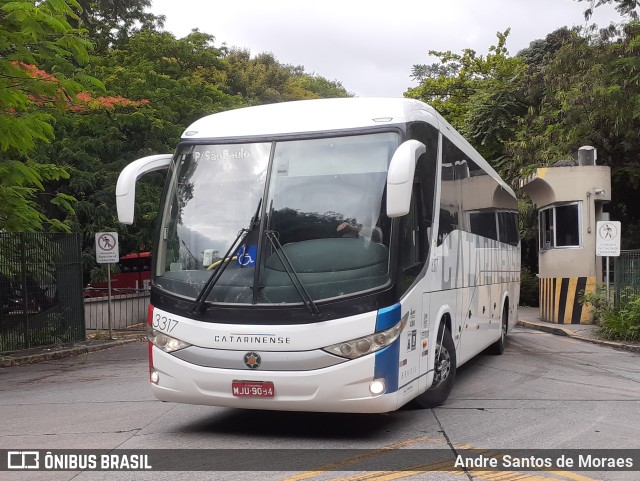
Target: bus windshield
(311,211)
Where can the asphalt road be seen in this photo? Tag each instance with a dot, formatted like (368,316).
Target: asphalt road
(545,392)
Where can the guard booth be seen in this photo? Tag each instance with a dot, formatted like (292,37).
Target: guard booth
(569,199)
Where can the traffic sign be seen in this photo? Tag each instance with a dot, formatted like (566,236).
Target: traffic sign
(608,238)
(107,248)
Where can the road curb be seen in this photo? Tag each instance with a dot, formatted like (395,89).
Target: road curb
(559,331)
(20,360)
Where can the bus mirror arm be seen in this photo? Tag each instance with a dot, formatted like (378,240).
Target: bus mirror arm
(400,177)
(126,186)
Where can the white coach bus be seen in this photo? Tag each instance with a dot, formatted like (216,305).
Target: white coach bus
(342,255)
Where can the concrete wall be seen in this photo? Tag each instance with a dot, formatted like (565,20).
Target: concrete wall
(128,312)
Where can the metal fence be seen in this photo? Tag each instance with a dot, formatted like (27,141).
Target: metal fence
(40,290)
(626,275)
(128,309)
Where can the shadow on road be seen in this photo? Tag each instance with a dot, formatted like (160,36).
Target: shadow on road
(267,424)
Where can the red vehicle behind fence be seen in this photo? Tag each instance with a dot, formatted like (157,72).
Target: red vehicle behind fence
(135,273)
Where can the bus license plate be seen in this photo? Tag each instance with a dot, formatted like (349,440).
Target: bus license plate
(252,389)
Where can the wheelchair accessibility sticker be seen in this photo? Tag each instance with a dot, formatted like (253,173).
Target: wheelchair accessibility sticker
(247,255)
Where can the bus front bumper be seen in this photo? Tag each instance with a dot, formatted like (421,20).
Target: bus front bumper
(341,388)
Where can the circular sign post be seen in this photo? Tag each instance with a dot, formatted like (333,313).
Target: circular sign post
(107,252)
(608,243)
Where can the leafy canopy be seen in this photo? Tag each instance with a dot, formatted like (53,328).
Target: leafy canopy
(34,33)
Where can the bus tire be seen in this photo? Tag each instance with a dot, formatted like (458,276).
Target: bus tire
(497,347)
(445,372)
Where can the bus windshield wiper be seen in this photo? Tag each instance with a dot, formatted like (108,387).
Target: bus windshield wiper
(217,273)
(291,272)
(199,303)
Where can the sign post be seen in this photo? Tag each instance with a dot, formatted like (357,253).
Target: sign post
(608,244)
(107,252)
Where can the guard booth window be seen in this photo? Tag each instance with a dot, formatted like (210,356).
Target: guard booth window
(560,226)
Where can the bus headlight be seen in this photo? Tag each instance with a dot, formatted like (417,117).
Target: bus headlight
(164,342)
(366,345)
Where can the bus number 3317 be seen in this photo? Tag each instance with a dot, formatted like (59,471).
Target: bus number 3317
(338,255)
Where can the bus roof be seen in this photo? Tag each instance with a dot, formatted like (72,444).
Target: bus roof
(318,115)
(306,116)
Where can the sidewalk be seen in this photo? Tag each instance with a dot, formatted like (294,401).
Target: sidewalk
(50,353)
(529,317)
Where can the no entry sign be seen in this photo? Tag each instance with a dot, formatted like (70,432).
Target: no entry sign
(608,238)
(107,248)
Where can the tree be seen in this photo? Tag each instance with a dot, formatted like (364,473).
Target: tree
(479,95)
(262,79)
(625,7)
(156,85)
(111,23)
(590,95)
(34,33)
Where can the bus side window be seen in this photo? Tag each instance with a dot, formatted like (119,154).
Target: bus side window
(409,234)
(425,195)
(448,223)
(426,176)
(412,249)
(454,169)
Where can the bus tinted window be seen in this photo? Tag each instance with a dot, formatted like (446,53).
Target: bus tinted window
(451,193)
(508,227)
(484,224)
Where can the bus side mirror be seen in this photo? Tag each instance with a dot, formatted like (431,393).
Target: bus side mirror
(126,186)
(400,177)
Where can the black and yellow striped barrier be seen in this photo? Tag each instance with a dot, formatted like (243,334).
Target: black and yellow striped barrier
(559,299)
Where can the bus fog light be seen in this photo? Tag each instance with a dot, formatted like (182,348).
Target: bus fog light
(155,377)
(377,386)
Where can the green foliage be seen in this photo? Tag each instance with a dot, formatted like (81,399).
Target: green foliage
(60,155)
(625,7)
(619,323)
(171,83)
(112,22)
(163,84)
(529,288)
(20,184)
(479,95)
(573,88)
(33,34)
(624,322)
(601,307)
(99,274)
(263,79)
(588,93)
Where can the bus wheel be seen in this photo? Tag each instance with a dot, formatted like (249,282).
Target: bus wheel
(497,347)
(444,371)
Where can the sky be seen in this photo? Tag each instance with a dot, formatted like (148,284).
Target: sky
(370,46)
